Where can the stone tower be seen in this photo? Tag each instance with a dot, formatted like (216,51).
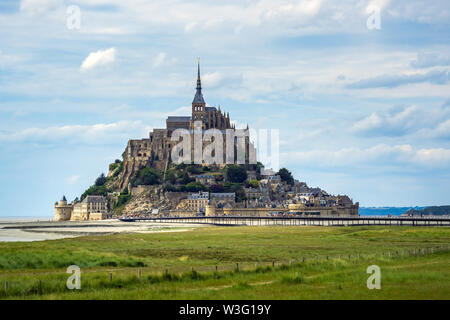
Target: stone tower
(198,104)
(63,211)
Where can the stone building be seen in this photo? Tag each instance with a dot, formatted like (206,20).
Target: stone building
(196,202)
(223,199)
(206,179)
(91,208)
(155,151)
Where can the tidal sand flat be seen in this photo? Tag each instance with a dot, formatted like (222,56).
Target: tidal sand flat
(26,230)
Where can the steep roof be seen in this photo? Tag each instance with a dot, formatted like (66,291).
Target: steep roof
(90,199)
(223,195)
(198,98)
(178,119)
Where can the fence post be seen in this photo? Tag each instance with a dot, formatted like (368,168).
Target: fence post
(40,286)
(273,264)
(110,276)
(216,268)
(6,286)
(237,267)
(140,274)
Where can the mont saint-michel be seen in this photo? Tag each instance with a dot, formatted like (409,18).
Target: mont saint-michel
(198,165)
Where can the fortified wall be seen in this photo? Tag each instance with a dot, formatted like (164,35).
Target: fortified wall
(211,210)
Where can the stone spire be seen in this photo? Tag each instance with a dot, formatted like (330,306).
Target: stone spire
(198,94)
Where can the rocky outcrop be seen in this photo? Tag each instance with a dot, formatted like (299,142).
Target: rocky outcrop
(145,198)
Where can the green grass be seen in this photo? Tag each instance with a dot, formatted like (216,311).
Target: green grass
(252,263)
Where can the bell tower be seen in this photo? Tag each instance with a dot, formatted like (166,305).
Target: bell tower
(198,104)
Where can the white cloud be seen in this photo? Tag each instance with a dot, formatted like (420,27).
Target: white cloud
(39,6)
(159,60)
(432,156)
(379,155)
(404,120)
(395,121)
(438,77)
(99,58)
(189,26)
(218,79)
(96,134)
(427,60)
(73,179)
(432,12)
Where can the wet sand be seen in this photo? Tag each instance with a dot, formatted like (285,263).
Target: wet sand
(50,230)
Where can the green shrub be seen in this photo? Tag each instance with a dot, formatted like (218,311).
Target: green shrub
(195,187)
(146,176)
(95,191)
(253,183)
(170,188)
(101,180)
(286,176)
(119,170)
(236,173)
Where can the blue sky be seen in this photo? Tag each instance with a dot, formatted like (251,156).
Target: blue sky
(361,111)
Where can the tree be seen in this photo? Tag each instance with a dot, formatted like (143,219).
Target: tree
(146,176)
(216,188)
(101,180)
(236,174)
(170,188)
(170,176)
(195,187)
(253,183)
(286,176)
(95,191)
(185,179)
(193,169)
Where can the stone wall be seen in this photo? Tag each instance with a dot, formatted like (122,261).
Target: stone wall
(264,212)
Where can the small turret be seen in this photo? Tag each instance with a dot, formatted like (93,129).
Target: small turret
(63,201)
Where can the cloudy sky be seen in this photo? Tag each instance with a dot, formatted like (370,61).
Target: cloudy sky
(361,110)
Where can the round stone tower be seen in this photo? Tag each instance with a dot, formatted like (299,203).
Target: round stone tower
(63,211)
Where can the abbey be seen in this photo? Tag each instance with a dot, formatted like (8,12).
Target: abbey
(155,151)
(200,165)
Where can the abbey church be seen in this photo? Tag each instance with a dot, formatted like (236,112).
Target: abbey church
(155,151)
(211,117)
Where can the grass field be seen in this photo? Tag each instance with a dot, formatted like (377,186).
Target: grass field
(252,263)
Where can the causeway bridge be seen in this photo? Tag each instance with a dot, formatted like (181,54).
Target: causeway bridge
(301,221)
